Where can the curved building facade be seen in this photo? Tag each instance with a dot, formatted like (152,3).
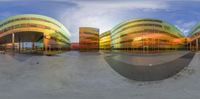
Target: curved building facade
(194,38)
(88,38)
(147,35)
(43,32)
(104,41)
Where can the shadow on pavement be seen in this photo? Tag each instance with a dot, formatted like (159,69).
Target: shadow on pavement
(150,72)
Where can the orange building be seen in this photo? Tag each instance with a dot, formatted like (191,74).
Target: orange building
(146,35)
(88,38)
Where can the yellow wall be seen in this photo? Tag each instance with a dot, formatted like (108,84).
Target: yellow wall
(104,42)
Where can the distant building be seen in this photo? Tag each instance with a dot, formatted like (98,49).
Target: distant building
(74,46)
(104,41)
(88,38)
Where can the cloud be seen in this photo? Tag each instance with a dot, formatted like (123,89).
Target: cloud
(124,4)
(185,26)
(102,14)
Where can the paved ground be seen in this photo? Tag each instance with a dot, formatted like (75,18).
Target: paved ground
(74,75)
(150,67)
(153,59)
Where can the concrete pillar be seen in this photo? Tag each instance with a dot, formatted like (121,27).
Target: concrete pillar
(158,45)
(197,44)
(13,42)
(45,43)
(22,46)
(33,42)
(190,46)
(19,45)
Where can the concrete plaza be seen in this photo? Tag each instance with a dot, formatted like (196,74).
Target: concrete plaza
(86,75)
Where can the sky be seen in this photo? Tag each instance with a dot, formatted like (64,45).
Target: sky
(106,14)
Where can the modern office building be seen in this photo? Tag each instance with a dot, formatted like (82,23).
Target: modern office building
(33,32)
(88,38)
(194,38)
(104,41)
(146,34)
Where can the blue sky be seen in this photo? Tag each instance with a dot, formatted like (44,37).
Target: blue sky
(105,14)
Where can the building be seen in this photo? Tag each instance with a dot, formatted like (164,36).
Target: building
(74,46)
(33,32)
(194,38)
(88,38)
(104,41)
(146,35)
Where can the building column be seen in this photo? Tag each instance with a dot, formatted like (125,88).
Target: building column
(22,46)
(33,42)
(19,44)
(190,46)
(197,44)
(13,42)
(158,45)
(45,43)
